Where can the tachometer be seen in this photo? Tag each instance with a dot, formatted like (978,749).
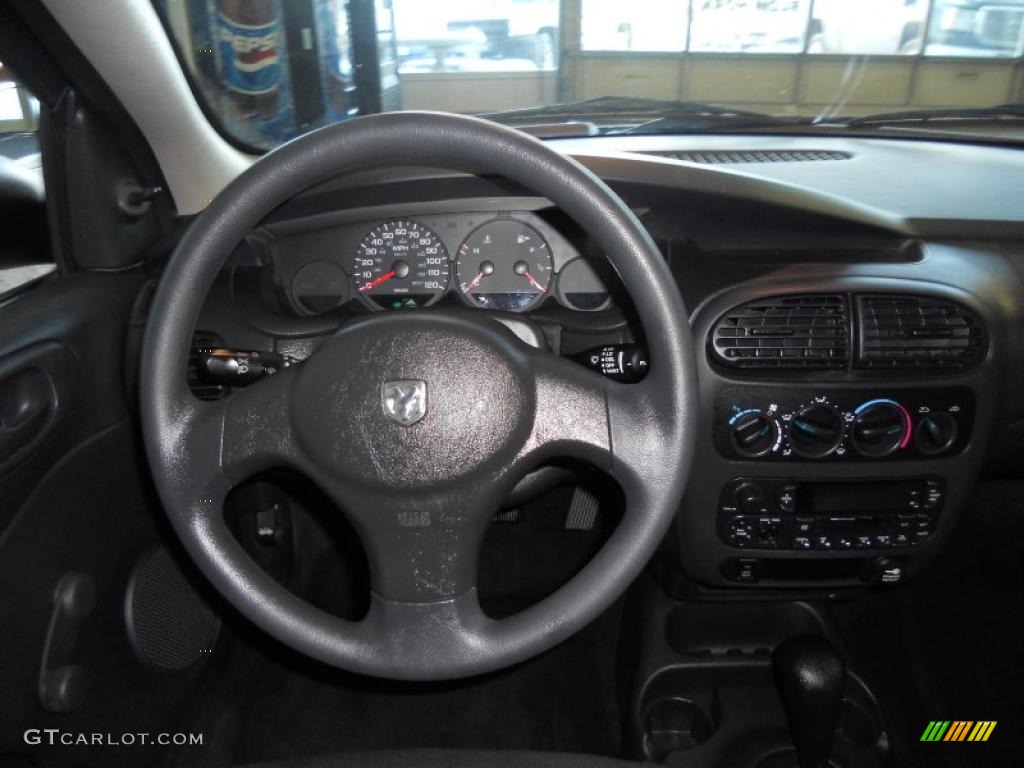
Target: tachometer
(504,264)
(401,265)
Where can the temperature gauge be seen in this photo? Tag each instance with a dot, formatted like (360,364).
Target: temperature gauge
(504,264)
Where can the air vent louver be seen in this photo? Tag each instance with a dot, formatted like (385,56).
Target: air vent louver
(201,389)
(917,332)
(714,157)
(784,332)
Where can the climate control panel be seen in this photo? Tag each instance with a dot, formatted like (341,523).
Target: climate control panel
(766,424)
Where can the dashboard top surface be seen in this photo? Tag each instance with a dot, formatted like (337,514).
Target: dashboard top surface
(915,186)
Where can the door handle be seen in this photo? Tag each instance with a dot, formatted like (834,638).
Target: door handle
(26,401)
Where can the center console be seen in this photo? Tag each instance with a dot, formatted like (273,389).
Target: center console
(762,684)
(841,428)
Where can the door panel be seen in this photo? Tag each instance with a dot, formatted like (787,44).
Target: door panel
(61,351)
(36,388)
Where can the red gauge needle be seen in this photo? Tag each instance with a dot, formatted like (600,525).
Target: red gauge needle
(533,281)
(474,282)
(377,281)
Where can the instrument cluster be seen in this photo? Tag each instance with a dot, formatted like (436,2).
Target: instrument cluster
(512,262)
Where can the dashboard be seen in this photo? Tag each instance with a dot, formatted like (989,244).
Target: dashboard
(862,333)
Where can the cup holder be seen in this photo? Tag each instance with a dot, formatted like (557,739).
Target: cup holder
(673,724)
(857,726)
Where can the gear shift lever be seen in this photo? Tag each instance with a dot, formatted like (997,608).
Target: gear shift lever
(811,677)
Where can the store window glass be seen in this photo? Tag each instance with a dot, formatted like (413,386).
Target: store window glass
(268,70)
(640,25)
(749,26)
(867,27)
(476,35)
(976,29)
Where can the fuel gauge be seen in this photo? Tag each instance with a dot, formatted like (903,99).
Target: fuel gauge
(504,264)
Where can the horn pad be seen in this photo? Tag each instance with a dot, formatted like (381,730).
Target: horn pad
(360,411)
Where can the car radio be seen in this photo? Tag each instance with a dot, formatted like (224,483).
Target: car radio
(761,513)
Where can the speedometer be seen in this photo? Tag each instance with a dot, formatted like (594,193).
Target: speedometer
(401,265)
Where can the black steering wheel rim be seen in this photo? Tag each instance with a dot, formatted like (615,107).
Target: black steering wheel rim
(425,624)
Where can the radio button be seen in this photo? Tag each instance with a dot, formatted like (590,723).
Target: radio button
(787,498)
(768,530)
(804,526)
(740,532)
(747,570)
(906,523)
(750,499)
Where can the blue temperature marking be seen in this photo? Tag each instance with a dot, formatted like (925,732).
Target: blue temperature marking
(743,413)
(877,401)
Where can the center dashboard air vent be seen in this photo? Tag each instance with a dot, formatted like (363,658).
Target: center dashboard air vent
(727,157)
(917,332)
(785,332)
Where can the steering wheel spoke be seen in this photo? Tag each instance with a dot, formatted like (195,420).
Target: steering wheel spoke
(570,416)
(582,415)
(422,547)
(639,432)
(256,432)
(444,634)
(216,445)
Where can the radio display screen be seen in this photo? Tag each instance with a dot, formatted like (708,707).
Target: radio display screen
(853,498)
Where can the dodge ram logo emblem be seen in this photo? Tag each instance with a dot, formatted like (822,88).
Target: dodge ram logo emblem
(404,401)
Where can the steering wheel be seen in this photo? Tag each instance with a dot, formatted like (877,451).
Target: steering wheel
(420,495)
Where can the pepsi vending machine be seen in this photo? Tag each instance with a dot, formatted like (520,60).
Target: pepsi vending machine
(274,69)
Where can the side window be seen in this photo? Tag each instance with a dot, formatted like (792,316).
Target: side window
(24,239)
(19,117)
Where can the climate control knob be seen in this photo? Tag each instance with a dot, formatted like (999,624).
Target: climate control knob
(879,428)
(816,430)
(753,433)
(935,433)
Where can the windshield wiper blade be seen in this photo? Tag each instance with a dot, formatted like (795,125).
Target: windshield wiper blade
(622,110)
(914,117)
(706,122)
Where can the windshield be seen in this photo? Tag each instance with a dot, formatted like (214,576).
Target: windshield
(269,70)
